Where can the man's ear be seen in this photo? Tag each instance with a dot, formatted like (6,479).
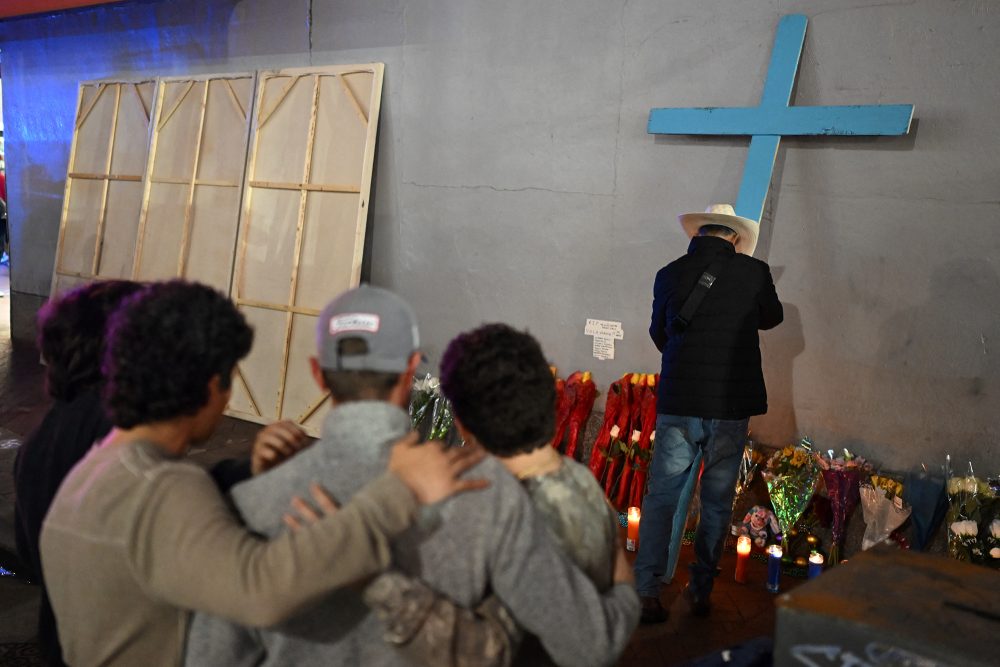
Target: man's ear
(406,379)
(400,394)
(317,373)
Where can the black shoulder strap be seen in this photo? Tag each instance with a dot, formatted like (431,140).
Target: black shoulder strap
(698,294)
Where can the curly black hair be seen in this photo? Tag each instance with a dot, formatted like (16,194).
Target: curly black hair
(500,388)
(71,331)
(164,346)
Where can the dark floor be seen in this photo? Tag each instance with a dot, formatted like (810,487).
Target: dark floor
(740,612)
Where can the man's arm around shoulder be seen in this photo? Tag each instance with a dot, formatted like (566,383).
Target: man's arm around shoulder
(552,599)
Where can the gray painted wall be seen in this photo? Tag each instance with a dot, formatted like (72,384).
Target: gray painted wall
(516,182)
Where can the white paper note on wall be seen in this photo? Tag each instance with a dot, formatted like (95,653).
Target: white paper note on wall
(604,347)
(604,328)
(605,333)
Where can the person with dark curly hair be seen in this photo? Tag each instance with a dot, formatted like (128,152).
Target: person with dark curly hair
(467,548)
(71,333)
(136,538)
(503,395)
(70,339)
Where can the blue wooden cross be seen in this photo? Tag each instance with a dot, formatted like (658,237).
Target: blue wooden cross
(773,118)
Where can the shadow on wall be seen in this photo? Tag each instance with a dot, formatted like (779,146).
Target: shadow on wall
(779,348)
(940,369)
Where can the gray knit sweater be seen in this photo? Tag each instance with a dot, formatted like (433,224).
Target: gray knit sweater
(466,547)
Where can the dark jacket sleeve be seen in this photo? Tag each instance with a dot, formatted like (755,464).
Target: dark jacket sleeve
(229,472)
(658,323)
(770,312)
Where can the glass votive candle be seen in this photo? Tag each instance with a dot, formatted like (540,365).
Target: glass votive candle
(632,537)
(743,546)
(815,564)
(774,554)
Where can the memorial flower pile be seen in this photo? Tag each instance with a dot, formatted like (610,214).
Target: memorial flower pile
(791,475)
(624,446)
(883,507)
(842,475)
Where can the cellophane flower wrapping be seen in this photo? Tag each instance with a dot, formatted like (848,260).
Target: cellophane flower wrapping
(791,476)
(883,508)
(442,420)
(430,412)
(973,521)
(425,391)
(752,458)
(842,475)
(925,493)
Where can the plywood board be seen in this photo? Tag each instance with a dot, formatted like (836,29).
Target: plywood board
(302,226)
(97,227)
(194,179)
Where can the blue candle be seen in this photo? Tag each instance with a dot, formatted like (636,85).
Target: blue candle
(815,564)
(774,554)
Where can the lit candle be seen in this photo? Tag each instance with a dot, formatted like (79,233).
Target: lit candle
(633,528)
(774,555)
(815,564)
(742,556)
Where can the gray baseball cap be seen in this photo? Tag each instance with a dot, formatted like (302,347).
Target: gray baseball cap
(380,318)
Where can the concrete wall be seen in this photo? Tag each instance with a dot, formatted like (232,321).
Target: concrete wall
(516,182)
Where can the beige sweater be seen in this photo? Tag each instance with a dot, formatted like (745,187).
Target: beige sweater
(135,539)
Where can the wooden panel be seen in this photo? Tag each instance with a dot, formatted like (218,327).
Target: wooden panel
(215,215)
(121,221)
(93,130)
(177,115)
(305,207)
(194,178)
(283,127)
(331,223)
(164,211)
(100,203)
(269,247)
(304,403)
(258,371)
(227,125)
(79,234)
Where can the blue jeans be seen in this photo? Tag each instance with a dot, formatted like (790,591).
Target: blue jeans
(677,441)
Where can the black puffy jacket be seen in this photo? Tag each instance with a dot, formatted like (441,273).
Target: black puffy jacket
(712,368)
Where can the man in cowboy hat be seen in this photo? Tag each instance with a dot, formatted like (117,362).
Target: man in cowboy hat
(707,308)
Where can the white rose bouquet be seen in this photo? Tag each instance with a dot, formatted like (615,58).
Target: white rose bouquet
(973,523)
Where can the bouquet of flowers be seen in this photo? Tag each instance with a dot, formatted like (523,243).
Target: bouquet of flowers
(425,391)
(640,450)
(973,527)
(791,476)
(993,542)
(584,394)
(430,412)
(618,459)
(925,493)
(442,420)
(842,475)
(883,508)
(607,437)
(752,458)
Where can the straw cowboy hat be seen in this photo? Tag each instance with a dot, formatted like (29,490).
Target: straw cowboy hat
(723,214)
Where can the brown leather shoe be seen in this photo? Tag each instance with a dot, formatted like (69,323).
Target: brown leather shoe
(700,606)
(652,611)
